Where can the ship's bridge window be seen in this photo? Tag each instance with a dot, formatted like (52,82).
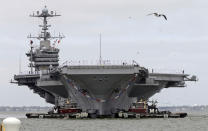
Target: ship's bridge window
(140,105)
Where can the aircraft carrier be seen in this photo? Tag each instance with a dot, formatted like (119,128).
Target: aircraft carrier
(102,89)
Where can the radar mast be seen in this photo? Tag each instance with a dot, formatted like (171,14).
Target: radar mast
(45,57)
(44,15)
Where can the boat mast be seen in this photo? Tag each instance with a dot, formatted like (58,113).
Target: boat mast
(100,59)
(31,59)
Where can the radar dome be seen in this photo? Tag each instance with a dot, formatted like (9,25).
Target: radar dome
(45,10)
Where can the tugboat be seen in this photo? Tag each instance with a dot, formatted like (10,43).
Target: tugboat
(142,109)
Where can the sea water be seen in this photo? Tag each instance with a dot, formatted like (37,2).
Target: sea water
(194,122)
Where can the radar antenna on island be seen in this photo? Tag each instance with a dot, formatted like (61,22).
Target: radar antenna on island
(45,14)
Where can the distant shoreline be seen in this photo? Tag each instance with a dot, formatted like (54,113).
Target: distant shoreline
(23,108)
(203,108)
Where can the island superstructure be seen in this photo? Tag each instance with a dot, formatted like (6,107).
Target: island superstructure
(98,90)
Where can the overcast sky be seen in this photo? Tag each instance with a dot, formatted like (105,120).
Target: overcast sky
(127,34)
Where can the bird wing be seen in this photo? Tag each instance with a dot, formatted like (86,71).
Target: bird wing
(153,14)
(164,17)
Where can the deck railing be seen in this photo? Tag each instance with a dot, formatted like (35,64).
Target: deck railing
(98,63)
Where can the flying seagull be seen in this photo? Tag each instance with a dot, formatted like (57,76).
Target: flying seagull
(159,15)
